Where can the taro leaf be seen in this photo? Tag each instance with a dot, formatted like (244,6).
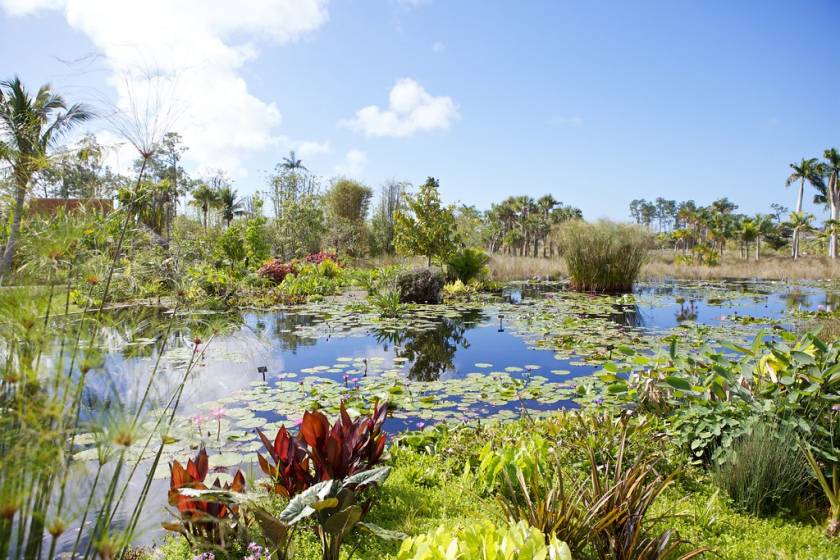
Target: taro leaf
(272,528)
(678,383)
(384,534)
(364,478)
(341,522)
(802,357)
(300,507)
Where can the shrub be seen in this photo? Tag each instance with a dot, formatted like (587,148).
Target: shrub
(349,446)
(483,539)
(318,258)
(289,471)
(603,257)
(458,290)
(422,285)
(323,452)
(329,269)
(467,265)
(764,471)
(276,270)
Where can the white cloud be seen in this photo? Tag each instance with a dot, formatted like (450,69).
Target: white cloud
(311,148)
(411,109)
(198,47)
(353,165)
(439,46)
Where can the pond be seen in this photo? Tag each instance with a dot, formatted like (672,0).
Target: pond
(520,352)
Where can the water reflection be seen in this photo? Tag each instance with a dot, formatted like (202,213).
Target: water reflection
(430,351)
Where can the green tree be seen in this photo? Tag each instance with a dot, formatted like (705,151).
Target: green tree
(29,128)
(382,223)
(229,204)
(347,203)
(807,170)
(298,230)
(204,198)
(831,168)
(426,227)
(799,221)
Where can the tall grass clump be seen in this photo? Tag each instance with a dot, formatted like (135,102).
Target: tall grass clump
(765,472)
(604,256)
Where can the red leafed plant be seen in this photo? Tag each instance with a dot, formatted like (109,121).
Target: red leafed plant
(289,471)
(277,270)
(204,518)
(321,452)
(348,447)
(318,258)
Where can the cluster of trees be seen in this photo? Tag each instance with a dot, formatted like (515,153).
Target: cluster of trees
(520,225)
(690,227)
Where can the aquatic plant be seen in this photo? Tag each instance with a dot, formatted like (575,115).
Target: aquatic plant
(483,539)
(604,256)
(387,304)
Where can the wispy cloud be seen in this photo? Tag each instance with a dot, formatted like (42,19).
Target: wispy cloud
(411,109)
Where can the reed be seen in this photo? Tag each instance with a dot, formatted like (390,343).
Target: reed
(603,256)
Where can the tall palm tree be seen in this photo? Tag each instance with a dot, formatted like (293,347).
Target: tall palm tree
(831,167)
(230,204)
(292,163)
(29,127)
(806,170)
(204,198)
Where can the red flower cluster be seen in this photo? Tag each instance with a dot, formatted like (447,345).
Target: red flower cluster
(277,270)
(335,452)
(318,258)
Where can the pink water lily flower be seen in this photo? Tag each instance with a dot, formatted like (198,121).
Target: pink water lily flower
(218,413)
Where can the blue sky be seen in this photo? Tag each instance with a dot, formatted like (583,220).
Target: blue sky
(596,103)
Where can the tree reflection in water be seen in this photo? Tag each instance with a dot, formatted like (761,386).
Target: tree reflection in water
(431,351)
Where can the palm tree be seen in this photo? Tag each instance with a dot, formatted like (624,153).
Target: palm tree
(204,198)
(831,167)
(806,170)
(29,127)
(292,163)
(748,234)
(799,221)
(229,204)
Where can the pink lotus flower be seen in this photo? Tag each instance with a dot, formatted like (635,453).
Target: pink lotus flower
(218,413)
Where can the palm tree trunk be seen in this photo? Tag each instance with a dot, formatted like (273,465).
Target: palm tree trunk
(795,240)
(757,247)
(11,243)
(835,210)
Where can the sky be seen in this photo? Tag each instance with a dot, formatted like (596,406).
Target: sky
(596,102)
